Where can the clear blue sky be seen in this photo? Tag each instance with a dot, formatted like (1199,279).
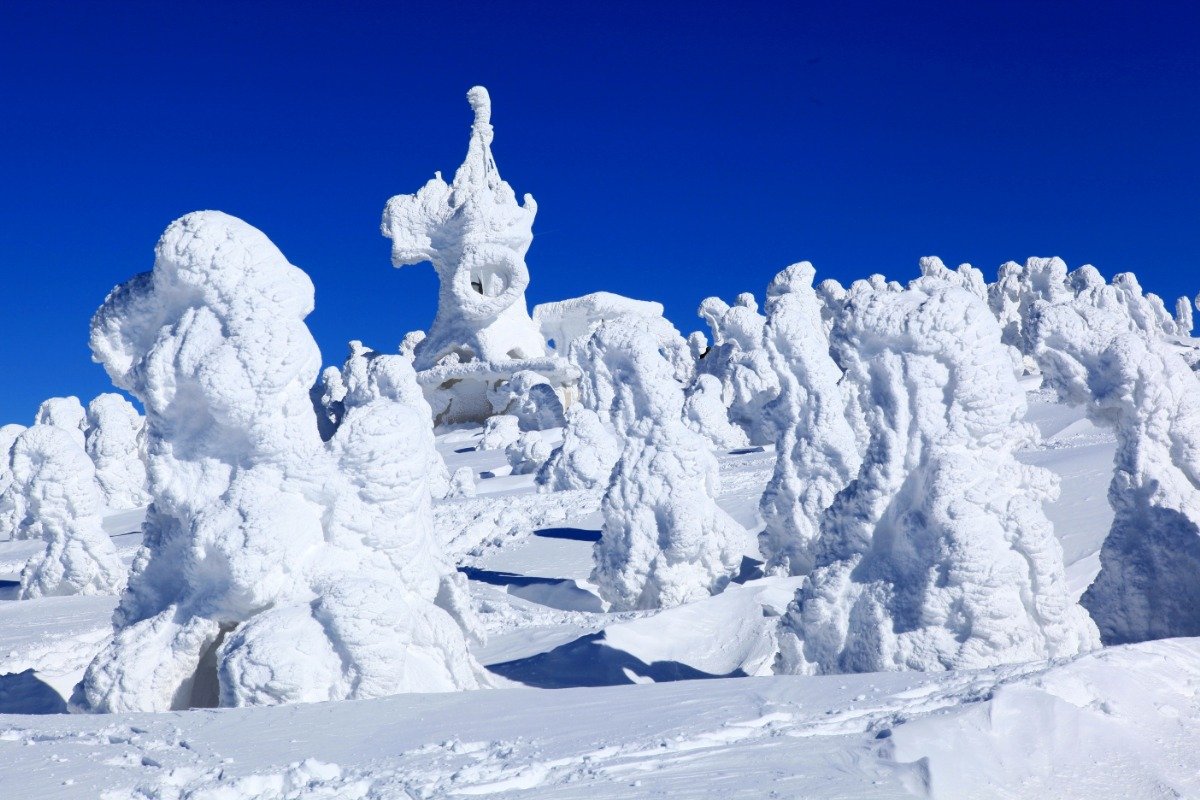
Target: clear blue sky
(675,151)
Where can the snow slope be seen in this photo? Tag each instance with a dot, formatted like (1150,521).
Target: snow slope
(595,704)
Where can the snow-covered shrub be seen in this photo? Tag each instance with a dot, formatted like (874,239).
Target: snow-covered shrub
(114,437)
(817,451)
(462,483)
(62,507)
(276,567)
(1096,351)
(585,458)
(938,555)
(738,360)
(531,399)
(665,540)
(528,453)
(66,413)
(705,413)
(499,432)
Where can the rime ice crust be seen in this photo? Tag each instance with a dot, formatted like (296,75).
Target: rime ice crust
(63,506)
(739,361)
(938,555)
(264,546)
(817,451)
(114,434)
(1105,349)
(665,540)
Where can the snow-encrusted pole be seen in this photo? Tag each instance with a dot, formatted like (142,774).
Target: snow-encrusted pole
(816,452)
(938,555)
(665,540)
(62,504)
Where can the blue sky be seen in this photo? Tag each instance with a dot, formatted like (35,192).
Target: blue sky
(675,150)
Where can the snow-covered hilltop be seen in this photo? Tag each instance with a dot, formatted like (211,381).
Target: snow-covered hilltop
(900,483)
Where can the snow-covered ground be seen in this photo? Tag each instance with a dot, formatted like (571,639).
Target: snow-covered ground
(594,704)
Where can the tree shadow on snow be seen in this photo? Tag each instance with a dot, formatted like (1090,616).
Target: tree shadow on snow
(587,661)
(570,534)
(25,693)
(9,589)
(561,593)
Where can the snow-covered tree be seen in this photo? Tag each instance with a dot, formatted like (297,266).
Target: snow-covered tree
(1183,317)
(1097,350)
(938,555)
(62,506)
(12,504)
(816,450)
(66,413)
(665,540)
(737,359)
(585,458)
(276,567)
(114,433)
(705,413)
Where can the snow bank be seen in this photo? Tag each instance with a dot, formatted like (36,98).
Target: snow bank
(114,434)
(276,567)
(63,506)
(665,540)
(1103,350)
(816,450)
(938,555)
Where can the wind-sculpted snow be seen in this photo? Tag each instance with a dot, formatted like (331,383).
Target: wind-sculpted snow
(475,234)
(665,540)
(1096,350)
(938,555)
(114,436)
(737,358)
(816,452)
(66,413)
(62,506)
(705,413)
(276,567)
(585,458)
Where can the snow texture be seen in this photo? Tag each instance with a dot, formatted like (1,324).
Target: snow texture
(705,413)
(665,540)
(276,567)
(63,506)
(938,555)
(499,432)
(114,437)
(817,451)
(12,504)
(66,413)
(586,457)
(528,453)
(1183,317)
(529,397)
(1104,349)
(739,361)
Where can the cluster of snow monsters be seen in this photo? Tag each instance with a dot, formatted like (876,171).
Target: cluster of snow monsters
(276,566)
(289,552)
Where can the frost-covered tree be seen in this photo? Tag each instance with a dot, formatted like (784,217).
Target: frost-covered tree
(585,458)
(816,451)
(276,567)
(62,507)
(476,235)
(938,555)
(66,413)
(12,505)
(499,432)
(665,540)
(114,433)
(737,359)
(1183,317)
(530,398)
(1096,351)
(705,413)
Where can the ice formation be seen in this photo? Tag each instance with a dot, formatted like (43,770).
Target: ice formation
(531,399)
(114,433)
(739,361)
(705,413)
(66,413)
(1183,317)
(665,540)
(585,458)
(1100,350)
(817,451)
(938,555)
(62,506)
(276,567)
